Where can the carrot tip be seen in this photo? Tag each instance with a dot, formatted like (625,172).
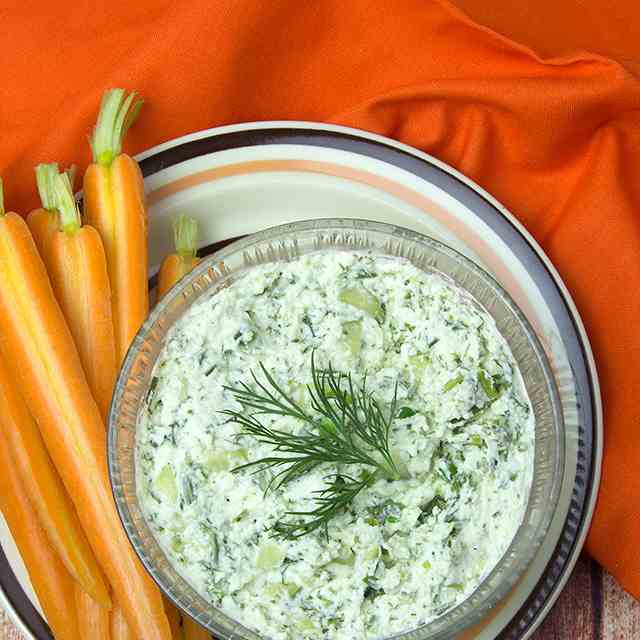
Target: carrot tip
(185,233)
(117,113)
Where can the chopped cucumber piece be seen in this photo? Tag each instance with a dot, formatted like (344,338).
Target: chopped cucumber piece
(353,335)
(372,552)
(165,483)
(274,589)
(418,364)
(239,455)
(363,300)
(476,440)
(277,589)
(269,556)
(224,460)
(218,461)
(347,560)
(454,382)
(306,624)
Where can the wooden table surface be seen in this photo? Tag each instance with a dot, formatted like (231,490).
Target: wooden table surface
(592,607)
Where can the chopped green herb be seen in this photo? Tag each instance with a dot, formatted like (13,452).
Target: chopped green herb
(348,426)
(437,502)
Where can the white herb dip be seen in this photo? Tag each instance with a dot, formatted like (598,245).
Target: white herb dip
(406,550)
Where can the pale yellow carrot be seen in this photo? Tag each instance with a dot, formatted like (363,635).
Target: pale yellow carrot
(56,513)
(51,581)
(93,620)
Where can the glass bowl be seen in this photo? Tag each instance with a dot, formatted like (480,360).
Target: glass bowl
(283,243)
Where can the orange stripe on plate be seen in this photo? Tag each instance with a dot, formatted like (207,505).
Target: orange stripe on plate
(474,241)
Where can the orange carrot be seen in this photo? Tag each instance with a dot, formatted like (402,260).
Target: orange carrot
(77,267)
(51,582)
(174,619)
(119,629)
(193,631)
(42,483)
(114,205)
(37,344)
(177,265)
(44,221)
(174,266)
(78,270)
(93,620)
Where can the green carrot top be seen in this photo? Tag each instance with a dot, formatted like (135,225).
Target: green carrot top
(45,180)
(45,173)
(185,233)
(117,113)
(70,221)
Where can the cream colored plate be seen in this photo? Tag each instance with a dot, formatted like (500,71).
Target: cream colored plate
(244,178)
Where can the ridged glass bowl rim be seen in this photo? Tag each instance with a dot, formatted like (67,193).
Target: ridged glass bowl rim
(527,539)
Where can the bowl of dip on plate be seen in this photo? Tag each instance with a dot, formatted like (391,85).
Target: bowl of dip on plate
(412,394)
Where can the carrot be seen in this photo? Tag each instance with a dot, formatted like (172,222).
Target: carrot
(119,629)
(44,221)
(193,631)
(77,267)
(78,270)
(51,581)
(173,267)
(37,344)
(114,205)
(42,483)
(174,619)
(93,620)
(177,265)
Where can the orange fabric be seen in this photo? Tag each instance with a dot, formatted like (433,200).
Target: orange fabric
(557,140)
(554,27)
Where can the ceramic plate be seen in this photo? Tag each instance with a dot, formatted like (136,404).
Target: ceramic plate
(242,178)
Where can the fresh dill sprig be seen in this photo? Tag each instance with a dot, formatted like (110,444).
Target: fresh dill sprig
(335,497)
(346,425)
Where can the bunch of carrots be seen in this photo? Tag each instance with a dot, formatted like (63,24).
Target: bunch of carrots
(73,294)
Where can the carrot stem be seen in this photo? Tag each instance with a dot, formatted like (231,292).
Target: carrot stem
(185,233)
(70,221)
(117,113)
(71,171)
(45,173)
